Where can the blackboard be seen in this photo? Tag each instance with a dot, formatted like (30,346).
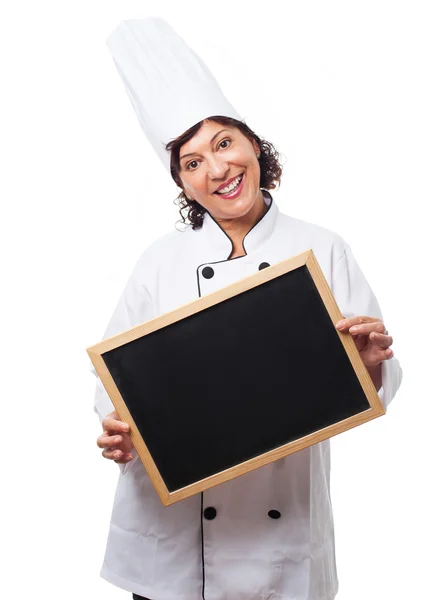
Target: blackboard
(224,386)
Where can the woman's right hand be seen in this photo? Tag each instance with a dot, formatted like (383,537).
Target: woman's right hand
(115,439)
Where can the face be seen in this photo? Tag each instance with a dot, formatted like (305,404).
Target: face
(212,161)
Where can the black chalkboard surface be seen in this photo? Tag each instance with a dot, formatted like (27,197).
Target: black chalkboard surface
(271,375)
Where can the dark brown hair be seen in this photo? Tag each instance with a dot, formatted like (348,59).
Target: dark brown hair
(270,167)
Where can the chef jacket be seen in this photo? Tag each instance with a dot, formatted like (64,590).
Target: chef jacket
(269,533)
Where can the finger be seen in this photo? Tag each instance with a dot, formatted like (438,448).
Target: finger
(383,355)
(384,341)
(104,441)
(124,459)
(345,324)
(376,356)
(110,424)
(367,328)
(112,453)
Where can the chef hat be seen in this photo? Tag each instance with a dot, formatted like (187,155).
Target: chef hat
(170,87)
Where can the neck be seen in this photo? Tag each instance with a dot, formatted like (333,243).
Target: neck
(237,229)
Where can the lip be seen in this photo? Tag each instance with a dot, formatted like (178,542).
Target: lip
(228,182)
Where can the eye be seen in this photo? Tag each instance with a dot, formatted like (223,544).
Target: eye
(190,163)
(223,141)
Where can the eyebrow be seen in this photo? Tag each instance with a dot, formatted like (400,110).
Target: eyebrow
(212,139)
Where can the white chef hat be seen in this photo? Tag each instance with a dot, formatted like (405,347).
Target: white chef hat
(170,87)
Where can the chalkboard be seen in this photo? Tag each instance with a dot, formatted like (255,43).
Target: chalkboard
(270,375)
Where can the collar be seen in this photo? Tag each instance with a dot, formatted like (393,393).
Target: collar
(220,243)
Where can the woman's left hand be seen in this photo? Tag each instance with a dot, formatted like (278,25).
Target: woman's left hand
(370,337)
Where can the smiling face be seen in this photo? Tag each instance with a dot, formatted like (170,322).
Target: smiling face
(220,170)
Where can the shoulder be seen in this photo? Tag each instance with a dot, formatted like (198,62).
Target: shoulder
(165,245)
(161,252)
(319,238)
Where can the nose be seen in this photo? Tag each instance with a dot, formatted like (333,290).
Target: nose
(217,167)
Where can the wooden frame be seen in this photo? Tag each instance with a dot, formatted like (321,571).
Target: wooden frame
(304,259)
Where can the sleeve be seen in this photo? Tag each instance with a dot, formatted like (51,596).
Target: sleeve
(355,297)
(133,307)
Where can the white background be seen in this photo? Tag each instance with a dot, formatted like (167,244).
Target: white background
(351,94)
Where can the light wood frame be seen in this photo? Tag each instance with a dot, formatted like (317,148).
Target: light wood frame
(304,259)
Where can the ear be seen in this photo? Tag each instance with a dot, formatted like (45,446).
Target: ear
(187,193)
(184,189)
(256,147)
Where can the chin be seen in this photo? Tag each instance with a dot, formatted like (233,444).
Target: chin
(236,209)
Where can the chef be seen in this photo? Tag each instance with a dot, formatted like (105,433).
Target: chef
(268,533)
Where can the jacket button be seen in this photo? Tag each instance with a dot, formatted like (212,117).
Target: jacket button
(208,272)
(263,265)
(274,514)
(210,513)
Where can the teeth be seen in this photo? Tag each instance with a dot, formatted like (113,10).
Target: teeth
(231,186)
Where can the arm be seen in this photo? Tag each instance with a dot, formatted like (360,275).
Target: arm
(134,306)
(355,297)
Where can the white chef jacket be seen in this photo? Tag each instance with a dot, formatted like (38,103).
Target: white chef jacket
(267,534)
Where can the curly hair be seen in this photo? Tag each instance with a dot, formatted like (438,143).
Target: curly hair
(270,167)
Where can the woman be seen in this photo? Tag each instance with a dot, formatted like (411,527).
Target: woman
(268,533)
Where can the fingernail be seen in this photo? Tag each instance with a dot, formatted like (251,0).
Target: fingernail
(354,328)
(340,325)
(125,427)
(117,454)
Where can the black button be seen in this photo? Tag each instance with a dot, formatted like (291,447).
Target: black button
(208,272)
(274,514)
(263,266)
(210,513)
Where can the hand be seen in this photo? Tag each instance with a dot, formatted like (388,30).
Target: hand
(370,337)
(115,439)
